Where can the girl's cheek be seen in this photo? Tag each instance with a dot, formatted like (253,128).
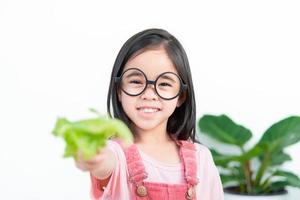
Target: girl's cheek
(128,105)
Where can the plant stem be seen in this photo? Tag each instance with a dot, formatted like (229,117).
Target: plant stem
(262,169)
(247,172)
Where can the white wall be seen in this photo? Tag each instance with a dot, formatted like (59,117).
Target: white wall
(56,58)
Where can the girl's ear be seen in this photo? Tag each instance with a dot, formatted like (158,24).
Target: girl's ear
(181,99)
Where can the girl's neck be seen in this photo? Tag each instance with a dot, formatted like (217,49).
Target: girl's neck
(156,136)
(158,145)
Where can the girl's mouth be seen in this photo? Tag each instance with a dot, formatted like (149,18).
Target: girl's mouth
(148,109)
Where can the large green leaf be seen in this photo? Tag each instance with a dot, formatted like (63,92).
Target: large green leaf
(278,158)
(290,178)
(223,129)
(277,186)
(282,134)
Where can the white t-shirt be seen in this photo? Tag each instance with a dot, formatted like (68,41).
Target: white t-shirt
(161,172)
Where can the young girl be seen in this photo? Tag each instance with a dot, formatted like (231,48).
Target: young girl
(151,90)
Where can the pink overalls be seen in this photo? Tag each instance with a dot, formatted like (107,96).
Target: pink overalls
(142,190)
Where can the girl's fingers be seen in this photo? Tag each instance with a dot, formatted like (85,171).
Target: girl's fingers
(99,157)
(81,166)
(84,166)
(91,164)
(96,159)
(94,163)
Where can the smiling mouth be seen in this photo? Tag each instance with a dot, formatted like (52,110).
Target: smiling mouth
(148,109)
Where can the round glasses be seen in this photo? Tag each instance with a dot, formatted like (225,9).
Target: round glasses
(134,82)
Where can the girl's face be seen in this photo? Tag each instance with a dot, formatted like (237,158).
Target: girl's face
(148,111)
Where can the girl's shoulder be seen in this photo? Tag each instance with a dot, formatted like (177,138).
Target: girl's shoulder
(204,156)
(200,148)
(202,152)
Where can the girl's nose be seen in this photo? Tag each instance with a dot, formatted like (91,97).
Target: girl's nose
(149,93)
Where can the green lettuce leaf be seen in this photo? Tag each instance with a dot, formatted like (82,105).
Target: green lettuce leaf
(90,135)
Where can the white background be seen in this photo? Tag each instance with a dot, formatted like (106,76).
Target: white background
(56,57)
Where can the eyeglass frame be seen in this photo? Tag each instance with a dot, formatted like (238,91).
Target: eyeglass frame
(118,79)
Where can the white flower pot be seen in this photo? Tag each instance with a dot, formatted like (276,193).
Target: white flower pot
(249,197)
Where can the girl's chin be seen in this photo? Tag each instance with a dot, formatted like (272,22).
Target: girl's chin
(145,125)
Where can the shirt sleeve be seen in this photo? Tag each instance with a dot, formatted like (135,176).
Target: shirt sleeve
(210,185)
(117,187)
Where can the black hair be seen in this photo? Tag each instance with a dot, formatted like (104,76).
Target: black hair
(182,122)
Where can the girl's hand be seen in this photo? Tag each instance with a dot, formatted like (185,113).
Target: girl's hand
(101,165)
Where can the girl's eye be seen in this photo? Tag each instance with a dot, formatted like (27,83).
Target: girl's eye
(135,82)
(165,85)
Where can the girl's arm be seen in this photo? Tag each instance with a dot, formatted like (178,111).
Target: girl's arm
(210,185)
(115,186)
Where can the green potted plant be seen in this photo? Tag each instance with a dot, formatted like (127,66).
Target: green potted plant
(253,172)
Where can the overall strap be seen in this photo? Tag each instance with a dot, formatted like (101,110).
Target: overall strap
(135,165)
(188,156)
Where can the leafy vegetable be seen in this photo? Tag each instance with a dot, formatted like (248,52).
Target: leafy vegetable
(90,135)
